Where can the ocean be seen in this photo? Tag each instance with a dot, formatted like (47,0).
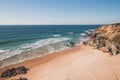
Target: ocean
(37,40)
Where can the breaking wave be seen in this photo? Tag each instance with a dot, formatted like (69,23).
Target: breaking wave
(56,35)
(28,47)
(33,50)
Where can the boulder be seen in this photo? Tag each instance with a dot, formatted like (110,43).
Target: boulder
(14,71)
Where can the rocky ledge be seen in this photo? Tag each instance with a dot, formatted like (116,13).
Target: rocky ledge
(106,38)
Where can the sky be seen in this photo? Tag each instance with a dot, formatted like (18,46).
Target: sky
(59,12)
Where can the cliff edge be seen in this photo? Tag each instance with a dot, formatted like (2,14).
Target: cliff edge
(106,38)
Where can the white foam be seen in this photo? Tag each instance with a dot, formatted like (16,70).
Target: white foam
(83,34)
(2,51)
(88,32)
(26,47)
(70,33)
(44,42)
(56,35)
(8,53)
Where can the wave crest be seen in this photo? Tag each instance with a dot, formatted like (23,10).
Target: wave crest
(27,47)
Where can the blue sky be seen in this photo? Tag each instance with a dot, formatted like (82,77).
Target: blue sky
(59,11)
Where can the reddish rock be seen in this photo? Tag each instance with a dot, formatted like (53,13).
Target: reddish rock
(107,37)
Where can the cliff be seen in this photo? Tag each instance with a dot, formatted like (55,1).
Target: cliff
(106,38)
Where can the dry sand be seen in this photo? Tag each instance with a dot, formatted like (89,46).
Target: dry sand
(80,63)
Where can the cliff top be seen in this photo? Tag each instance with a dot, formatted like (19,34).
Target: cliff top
(107,36)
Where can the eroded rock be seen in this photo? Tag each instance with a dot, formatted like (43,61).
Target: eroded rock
(107,37)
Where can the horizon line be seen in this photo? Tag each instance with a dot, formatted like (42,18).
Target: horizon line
(52,24)
(64,24)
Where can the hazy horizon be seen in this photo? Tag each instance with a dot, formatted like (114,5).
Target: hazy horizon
(59,12)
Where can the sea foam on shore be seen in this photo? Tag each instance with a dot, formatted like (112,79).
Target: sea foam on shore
(37,49)
(56,40)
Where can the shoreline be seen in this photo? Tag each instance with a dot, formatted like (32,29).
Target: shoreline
(41,57)
(35,53)
(81,62)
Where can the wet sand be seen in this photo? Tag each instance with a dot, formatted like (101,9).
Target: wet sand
(79,63)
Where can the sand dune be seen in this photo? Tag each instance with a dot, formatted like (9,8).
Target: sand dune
(80,63)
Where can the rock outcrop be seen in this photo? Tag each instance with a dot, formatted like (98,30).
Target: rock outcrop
(14,72)
(70,44)
(106,38)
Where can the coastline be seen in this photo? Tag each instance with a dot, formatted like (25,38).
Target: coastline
(47,57)
(31,63)
(90,60)
(82,62)
(34,53)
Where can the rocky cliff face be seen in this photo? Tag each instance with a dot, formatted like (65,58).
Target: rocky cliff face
(106,38)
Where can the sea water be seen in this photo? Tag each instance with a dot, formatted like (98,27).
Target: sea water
(34,40)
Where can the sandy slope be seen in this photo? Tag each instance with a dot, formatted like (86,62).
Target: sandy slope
(80,63)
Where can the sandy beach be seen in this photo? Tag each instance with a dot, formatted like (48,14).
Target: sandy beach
(79,63)
(59,40)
